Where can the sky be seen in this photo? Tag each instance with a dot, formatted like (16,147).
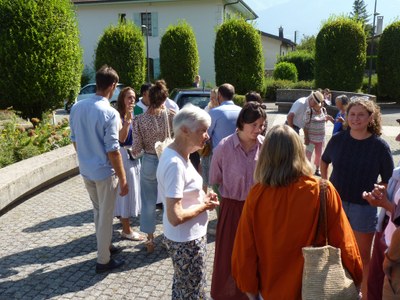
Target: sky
(306,16)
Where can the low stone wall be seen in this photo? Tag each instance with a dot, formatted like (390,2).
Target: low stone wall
(29,175)
(286,97)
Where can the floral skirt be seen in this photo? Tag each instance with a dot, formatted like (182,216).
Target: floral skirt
(189,261)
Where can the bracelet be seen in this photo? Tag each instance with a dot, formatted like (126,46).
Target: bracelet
(390,259)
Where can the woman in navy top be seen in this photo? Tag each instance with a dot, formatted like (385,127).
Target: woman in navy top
(359,156)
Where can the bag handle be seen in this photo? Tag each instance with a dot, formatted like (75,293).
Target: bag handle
(322,218)
(167,130)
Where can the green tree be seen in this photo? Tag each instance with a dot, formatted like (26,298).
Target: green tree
(307,43)
(304,62)
(122,47)
(238,56)
(179,57)
(360,14)
(388,63)
(340,54)
(40,56)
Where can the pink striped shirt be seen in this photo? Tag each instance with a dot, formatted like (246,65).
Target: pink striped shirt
(232,168)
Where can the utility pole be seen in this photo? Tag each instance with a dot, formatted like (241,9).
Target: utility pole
(372,50)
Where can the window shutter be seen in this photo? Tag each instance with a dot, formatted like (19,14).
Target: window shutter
(137,20)
(156,66)
(154,23)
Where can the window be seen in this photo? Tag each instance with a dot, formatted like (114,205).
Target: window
(146,20)
(122,18)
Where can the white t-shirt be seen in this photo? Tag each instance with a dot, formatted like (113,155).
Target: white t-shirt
(142,105)
(171,104)
(177,178)
(299,108)
(390,228)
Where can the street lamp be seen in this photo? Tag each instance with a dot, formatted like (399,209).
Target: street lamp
(147,52)
(372,50)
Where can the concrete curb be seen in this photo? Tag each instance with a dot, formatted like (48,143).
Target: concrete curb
(29,175)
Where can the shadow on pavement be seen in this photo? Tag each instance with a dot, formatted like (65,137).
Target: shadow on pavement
(75,220)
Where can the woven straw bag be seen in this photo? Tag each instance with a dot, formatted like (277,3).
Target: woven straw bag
(160,146)
(324,276)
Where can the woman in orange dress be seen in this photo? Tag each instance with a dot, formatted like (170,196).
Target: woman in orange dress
(280,217)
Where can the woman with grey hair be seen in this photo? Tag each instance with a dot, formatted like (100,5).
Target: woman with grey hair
(186,206)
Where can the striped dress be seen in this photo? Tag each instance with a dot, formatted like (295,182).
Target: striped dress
(315,123)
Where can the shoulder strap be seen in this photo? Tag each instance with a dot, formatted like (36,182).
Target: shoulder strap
(322,218)
(167,130)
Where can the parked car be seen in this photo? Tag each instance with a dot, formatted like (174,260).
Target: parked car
(90,89)
(196,96)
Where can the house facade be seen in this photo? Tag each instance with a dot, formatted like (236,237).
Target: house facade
(274,46)
(204,16)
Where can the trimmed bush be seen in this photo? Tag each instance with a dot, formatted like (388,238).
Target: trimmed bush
(374,85)
(238,56)
(122,48)
(304,62)
(285,71)
(340,55)
(388,63)
(40,56)
(272,85)
(239,99)
(179,57)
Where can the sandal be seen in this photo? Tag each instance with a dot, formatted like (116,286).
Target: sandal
(150,245)
(133,236)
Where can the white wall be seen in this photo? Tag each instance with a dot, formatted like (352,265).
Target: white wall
(271,49)
(203,16)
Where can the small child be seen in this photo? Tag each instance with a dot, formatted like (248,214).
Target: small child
(314,133)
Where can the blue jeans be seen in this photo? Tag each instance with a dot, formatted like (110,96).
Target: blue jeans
(148,193)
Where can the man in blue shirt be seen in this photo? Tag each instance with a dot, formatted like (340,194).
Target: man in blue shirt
(94,132)
(224,116)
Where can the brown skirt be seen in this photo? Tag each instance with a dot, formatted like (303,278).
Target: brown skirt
(223,286)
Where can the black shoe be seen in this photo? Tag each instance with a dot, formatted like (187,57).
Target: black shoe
(159,206)
(115,250)
(112,264)
(317,173)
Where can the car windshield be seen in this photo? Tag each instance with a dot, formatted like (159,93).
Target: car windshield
(197,100)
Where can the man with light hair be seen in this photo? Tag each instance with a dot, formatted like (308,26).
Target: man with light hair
(295,117)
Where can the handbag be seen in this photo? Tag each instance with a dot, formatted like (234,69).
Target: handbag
(324,276)
(159,146)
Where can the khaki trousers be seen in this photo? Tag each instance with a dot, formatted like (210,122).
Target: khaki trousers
(103,195)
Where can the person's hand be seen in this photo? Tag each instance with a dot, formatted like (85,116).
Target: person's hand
(211,201)
(387,268)
(377,197)
(124,188)
(329,118)
(340,119)
(129,114)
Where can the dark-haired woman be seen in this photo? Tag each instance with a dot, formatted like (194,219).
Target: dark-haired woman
(232,168)
(129,205)
(148,129)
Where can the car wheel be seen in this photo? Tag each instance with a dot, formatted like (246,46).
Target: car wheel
(114,104)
